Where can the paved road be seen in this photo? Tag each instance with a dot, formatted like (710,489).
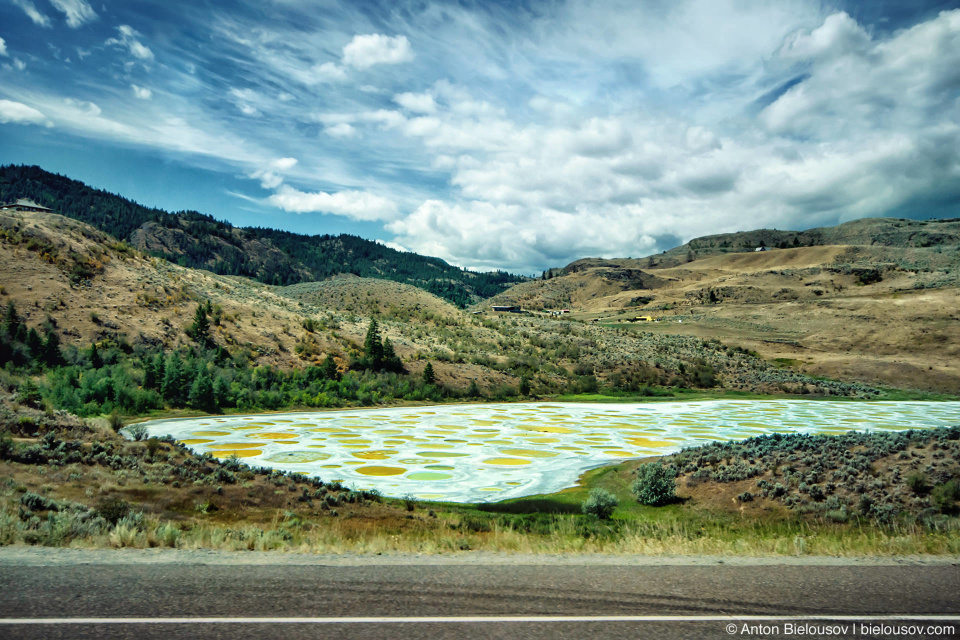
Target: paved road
(425,588)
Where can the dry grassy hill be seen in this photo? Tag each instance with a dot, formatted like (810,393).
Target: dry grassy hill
(368,297)
(877,313)
(97,290)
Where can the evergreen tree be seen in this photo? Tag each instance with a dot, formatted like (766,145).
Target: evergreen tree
(221,392)
(524,387)
(95,360)
(200,329)
(428,375)
(35,345)
(473,391)
(174,388)
(201,393)
(11,321)
(51,350)
(391,361)
(373,347)
(329,368)
(153,372)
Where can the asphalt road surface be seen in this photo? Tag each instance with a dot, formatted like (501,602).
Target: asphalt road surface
(46,595)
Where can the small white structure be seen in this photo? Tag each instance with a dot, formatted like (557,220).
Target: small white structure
(761,249)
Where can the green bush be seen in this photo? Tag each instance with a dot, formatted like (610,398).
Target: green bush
(600,503)
(113,509)
(945,496)
(917,482)
(654,485)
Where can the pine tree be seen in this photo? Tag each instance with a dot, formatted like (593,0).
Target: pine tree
(428,375)
(391,361)
(329,368)
(174,386)
(201,393)
(524,387)
(51,350)
(11,321)
(34,345)
(373,347)
(473,391)
(221,393)
(153,373)
(200,329)
(95,360)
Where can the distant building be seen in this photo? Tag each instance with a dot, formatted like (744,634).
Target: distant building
(24,205)
(504,308)
(761,249)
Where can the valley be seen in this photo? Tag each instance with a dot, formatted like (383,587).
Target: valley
(100,333)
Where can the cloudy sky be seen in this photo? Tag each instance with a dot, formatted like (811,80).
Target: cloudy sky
(513,135)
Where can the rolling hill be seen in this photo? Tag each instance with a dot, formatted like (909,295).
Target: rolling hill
(271,256)
(872,300)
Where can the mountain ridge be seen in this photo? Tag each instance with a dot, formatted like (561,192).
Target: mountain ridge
(272,256)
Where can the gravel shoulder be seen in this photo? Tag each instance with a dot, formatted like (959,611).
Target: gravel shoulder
(14,556)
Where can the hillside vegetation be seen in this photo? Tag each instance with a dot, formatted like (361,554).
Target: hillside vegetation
(883,312)
(191,239)
(94,326)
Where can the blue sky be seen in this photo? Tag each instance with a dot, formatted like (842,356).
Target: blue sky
(495,135)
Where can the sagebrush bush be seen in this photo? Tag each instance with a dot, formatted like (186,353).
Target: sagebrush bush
(600,503)
(654,485)
(137,431)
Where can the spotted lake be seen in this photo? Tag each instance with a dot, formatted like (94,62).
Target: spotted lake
(476,453)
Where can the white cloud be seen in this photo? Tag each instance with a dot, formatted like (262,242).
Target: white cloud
(870,127)
(340,130)
(601,127)
(141,93)
(128,40)
(284,164)
(416,102)
(245,100)
(839,34)
(700,139)
(77,12)
(674,42)
(19,113)
(89,108)
(394,246)
(30,9)
(383,119)
(19,64)
(356,205)
(270,176)
(364,51)
(3,48)
(328,72)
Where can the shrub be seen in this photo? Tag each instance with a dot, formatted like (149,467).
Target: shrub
(6,445)
(116,422)
(654,485)
(113,510)
(945,496)
(917,482)
(36,502)
(138,432)
(600,503)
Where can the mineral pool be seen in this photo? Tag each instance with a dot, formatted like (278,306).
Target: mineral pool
(482,453)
